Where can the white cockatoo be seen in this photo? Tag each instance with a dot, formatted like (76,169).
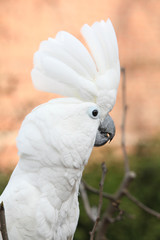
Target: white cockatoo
(56,138)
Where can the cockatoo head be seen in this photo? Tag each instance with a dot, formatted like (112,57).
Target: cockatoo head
(61,132)
(64,66)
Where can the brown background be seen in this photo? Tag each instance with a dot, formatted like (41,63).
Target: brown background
(24,24)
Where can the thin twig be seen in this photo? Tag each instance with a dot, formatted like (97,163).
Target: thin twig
(86,203)
(92,233)
(3,227)
(97,191)
(104,171)
(124,106)
(141,205)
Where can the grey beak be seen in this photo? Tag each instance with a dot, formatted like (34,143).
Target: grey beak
(106,132)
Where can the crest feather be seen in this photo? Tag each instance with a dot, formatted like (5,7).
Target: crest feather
(64,66)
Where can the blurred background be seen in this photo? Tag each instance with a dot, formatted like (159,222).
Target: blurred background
(24,24)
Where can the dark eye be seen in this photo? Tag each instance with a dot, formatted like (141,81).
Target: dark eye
(93,112)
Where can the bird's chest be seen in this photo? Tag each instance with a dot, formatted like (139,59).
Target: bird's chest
(59,185)
(58,205)
(76,151)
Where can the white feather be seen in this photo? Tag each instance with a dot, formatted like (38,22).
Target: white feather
(95,47)
(61,75)
(54,143)
(64,66)
(74,47)
(55,49)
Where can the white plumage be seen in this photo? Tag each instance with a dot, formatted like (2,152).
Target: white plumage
(64,66)
(56,138)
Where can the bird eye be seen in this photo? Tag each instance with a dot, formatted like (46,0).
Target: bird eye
(93,112)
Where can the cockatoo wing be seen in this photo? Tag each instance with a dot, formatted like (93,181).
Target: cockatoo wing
(64,66)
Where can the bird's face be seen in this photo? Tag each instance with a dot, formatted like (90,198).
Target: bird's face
(85,118)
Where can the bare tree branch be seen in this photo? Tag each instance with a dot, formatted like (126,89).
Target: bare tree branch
(141,205)
(3,227)
(86,203)
(97,191)
(108,216)
(104,171)
(128,178)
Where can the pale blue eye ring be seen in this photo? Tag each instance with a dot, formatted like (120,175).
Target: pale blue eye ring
(93,112)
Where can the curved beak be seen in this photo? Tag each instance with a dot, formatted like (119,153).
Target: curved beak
(106,132)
